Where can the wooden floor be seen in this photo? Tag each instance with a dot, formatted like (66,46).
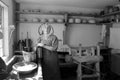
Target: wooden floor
(110,76)
(70,74)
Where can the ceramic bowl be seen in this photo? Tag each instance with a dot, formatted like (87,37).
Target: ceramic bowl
(51,20)
(22,19)
(35,20)
(36,10)
(71,20)
(43,20)
(91,21)
(59,20)
(24,67)
(84,21)
(77,20)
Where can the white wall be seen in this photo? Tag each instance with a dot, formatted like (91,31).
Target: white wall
(85,34)
(115,36)
(57,8)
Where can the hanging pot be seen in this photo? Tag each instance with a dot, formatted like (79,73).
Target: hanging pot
(115,8)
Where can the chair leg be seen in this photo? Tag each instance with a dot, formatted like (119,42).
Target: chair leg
(79,72)
(98,69)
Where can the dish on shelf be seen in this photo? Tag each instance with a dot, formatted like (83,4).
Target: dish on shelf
(43,20)
(116,8)
(36,10)
(118,5)
(51,20)
(50,12)
(91,21)
(71,20)
(22,19)
(29,20)
(84,21)
(59,20)
(21,10)
(109,9)
(27,10)
(35,20)
(77,20)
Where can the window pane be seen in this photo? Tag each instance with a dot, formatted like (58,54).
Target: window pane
(0,15)
(1,47)
(1,30)
(4,28)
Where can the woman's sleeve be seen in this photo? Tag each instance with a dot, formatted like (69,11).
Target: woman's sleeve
(39,39)
(55,43)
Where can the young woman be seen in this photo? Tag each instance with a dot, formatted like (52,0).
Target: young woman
(47,55)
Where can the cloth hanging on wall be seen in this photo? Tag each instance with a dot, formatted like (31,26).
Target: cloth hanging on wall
(103,33)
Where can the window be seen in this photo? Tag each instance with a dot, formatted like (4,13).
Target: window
(4,42)
(1,42)
(1,30)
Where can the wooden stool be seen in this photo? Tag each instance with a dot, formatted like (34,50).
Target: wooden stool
(88,55)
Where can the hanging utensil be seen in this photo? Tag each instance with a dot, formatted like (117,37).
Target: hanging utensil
(21,43)
(28,43)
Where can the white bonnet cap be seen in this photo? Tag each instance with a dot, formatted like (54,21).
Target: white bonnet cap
(44,26)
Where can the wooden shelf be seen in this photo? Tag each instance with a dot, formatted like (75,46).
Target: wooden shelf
(81,14)
(57,13)
(110,23)
(109,14)
(65,14)
(55,22)
(39,22)
(83,23)
(41,13)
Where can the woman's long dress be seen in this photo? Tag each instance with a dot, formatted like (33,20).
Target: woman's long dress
(49,62)
(50,66)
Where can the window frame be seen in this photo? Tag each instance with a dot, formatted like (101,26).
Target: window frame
(5,30)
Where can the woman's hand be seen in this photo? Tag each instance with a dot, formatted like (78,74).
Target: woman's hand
(40,44)
(45,46)
(37,45)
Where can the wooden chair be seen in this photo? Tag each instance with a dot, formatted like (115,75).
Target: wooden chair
(88,56)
